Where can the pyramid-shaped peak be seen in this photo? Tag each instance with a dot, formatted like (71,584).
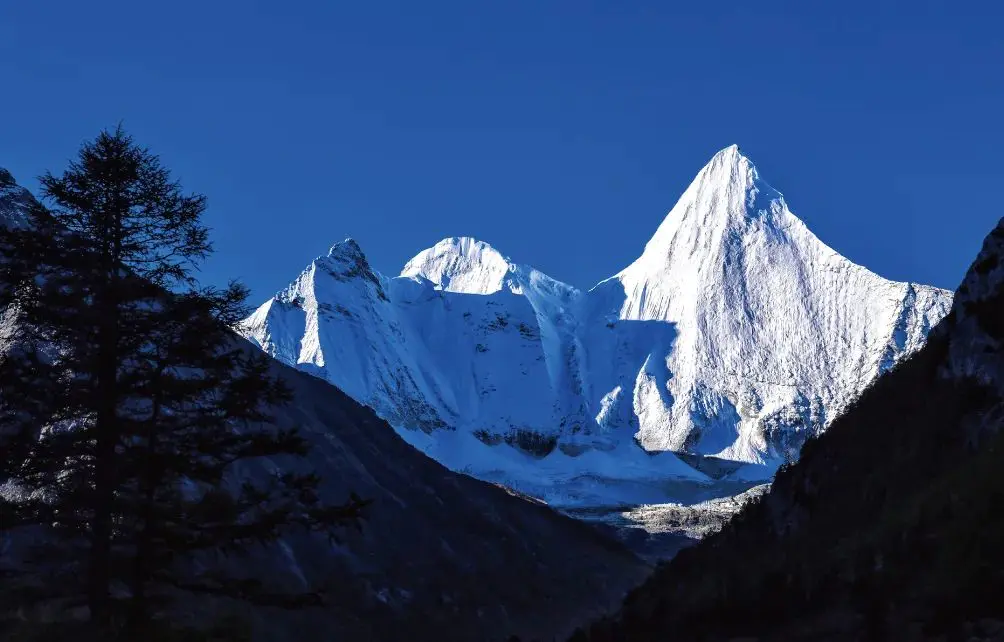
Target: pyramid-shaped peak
(347,248)
(727,156)
(460,264)
(346,259)
(729,165)
(730,151)
(15,201)
(728,174)
(717,207)
(346,262)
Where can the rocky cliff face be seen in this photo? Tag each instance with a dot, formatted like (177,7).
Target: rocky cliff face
(975,327)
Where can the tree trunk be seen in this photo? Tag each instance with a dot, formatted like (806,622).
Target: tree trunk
(139,608)
(106,425)
(99,597)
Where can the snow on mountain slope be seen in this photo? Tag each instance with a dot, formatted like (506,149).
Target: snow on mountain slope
(461,265)
(485,383)
(14,203)
(774,331)
(423,358)
(736,334)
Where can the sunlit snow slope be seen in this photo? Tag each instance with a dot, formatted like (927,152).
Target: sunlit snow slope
(735,335)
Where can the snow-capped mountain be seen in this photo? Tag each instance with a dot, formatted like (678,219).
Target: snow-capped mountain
(15,202)
(775,331)
(887,528)
(736,334)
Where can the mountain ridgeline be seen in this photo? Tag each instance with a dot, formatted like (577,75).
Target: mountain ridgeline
(736,345)
(898,539)
(735,336)
(439,555)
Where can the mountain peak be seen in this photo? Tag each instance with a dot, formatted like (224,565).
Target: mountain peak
(346,248)
(345,260)
(728,165)
(15,201)
(732,151)
(724,161)
(738,334)
(460,264)
(725,195)
(6,178)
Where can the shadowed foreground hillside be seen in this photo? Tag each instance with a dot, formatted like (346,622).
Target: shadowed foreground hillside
(441,555)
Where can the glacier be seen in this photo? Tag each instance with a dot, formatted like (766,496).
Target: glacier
(691,374)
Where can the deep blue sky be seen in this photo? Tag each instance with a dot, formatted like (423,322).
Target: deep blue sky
(560,132)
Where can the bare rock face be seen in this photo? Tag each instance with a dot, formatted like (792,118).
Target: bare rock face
(976,323)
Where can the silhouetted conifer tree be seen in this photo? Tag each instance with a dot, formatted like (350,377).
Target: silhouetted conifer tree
(126,400)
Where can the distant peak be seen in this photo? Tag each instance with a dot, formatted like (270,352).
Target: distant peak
(460,264)
(732,170)
(716,207)
(346,260)
(346,248)
(730,163)
(467,246)
(462,246)
(730,151)
(15,201)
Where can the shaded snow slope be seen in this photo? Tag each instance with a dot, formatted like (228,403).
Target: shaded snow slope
(736,334)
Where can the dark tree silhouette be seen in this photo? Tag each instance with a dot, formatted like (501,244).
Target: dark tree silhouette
(126,400)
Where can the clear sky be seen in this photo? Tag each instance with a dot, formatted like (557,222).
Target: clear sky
(560,132)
